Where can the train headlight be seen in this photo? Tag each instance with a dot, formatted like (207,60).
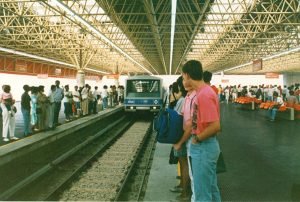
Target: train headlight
(131,107)
(154,107)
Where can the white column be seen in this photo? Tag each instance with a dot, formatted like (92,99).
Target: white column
(80,77)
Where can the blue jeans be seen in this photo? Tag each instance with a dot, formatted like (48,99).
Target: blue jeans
(26,118)
(204,157)
(104,100)
(272,113)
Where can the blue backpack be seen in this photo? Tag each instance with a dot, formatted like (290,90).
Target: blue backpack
(168,125)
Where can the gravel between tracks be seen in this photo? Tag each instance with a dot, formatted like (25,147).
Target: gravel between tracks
(103,179)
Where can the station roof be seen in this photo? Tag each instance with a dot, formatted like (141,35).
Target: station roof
(154,36)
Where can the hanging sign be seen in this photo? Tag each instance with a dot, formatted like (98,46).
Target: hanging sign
(112,76)
(271,75)
(42,76)
(257,65)
(57,72)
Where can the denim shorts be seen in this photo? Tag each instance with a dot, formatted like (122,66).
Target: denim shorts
(182,152)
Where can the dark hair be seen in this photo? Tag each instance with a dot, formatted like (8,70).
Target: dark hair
(53,87)
(175,87)
(207,76)
(34,90)
(193,68)
(41,88)
(26,88)
(181,87)
(6,88)
(292,92)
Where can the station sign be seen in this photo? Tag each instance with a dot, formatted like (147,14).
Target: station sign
(112,76)
(225,80)
(272,75)
(257,65)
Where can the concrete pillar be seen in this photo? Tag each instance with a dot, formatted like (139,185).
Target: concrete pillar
(80,77)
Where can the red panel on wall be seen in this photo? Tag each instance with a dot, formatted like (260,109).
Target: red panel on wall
(44,69)
(51,70)
(67,72)
(30,66)
(62,72)
(2,63)
(21,66)
(10,64)
(37,68)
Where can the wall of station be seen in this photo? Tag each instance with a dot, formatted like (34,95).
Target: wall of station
(16,81)
(17,66)
(291,78)
(246,80)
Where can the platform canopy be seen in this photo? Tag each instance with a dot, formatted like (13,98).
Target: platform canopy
(154,36)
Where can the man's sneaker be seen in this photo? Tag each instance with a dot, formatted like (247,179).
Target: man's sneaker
(14,138)
(177,189)
(5,139)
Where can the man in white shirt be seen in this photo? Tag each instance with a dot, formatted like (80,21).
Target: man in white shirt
(273,109)
(104,95)
(76,99)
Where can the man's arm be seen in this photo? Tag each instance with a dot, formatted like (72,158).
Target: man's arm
(208,132)
(186,135)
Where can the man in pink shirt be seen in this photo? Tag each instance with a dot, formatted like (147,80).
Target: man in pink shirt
(204,149)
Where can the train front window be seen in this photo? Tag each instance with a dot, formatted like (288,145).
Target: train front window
(143,88)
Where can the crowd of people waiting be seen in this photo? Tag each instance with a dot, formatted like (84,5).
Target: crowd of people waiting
(41,112)
(262,92)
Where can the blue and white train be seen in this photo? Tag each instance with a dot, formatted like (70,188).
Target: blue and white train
(143,93)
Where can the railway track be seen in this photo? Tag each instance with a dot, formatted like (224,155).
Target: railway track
(100,168)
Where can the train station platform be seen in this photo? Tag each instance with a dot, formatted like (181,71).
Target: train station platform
(262,160)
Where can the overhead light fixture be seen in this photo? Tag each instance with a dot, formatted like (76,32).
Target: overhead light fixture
(95,31)
(286,52)
(173,22)
(35,57)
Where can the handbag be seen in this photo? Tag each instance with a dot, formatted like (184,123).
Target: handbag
(173,159)
(221,167)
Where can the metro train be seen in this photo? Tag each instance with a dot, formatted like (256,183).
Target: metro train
(143,93)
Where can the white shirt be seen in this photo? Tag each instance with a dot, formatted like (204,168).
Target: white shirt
(104,93)
(76,99)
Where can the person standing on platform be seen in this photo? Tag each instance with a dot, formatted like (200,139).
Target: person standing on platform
(51,107)
(104,95)
(272,111)
(85,101)
(96,95)
(68,99)
(187,126)
(42,105)
(76,99)
(8,117)
(204,149)
(58,96)
(33,112)
(25,109)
